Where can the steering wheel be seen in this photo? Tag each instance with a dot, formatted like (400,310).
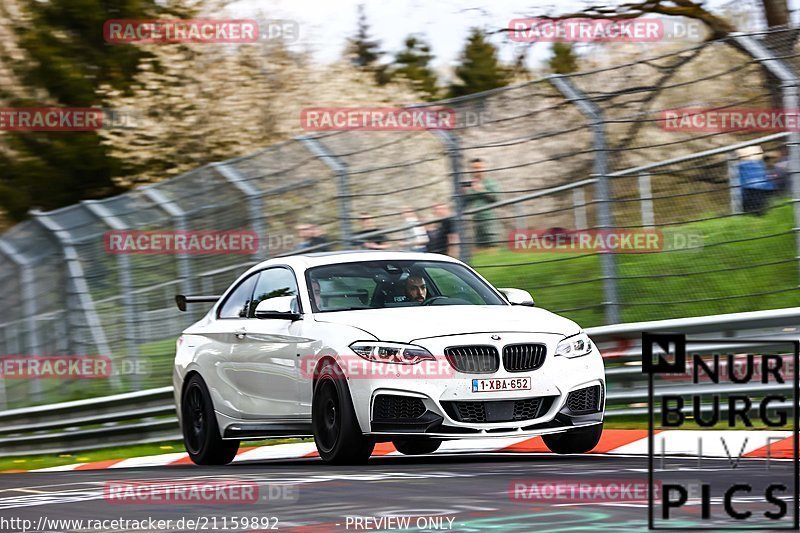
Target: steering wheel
(429,301)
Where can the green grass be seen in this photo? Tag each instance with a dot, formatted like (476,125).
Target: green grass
(565,282)
(33,462)
(155,359)
(570,284)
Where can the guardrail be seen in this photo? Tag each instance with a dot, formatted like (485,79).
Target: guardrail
(123,419)
(149,416)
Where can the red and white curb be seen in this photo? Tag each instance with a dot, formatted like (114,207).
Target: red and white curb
(731,443)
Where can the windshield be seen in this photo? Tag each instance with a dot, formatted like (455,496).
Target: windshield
(382,284)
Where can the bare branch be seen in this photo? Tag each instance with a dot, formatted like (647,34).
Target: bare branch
(719,26)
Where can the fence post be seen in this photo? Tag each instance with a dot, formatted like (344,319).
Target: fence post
(791,104)
(314,146)
(126,289)
(179,217)
(28,289)
(74,272)
(255,205)
(453,149)
(604,215)
(646,196)
(579,206)
(733,183)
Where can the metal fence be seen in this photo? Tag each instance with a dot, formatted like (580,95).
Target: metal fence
(587,150)
(149,416)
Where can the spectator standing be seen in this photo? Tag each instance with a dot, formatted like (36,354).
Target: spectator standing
(373,242)
(416,238)
(304,236)
(317,238)
(442,235)
(479,191)
(755,186)
(777,171)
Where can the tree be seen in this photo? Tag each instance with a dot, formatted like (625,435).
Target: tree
(365,52)
(413,63)
(194,104)
(62,59)
(479,69)
(776,13)
(563,60)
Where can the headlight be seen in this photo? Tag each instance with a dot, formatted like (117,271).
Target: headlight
(391,352)
(575,346)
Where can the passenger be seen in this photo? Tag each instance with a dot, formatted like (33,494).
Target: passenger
(317,292)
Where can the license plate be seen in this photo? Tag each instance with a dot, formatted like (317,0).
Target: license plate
(501,384)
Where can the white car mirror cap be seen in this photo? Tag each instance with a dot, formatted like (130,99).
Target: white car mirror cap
(278,307)
(517,296)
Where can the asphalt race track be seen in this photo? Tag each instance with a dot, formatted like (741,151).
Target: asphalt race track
(450,492)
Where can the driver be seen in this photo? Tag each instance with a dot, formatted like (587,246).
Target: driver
(416,290)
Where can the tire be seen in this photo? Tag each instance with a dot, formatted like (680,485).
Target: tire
(574,441)
(416,446)
(201,435)
(336,431)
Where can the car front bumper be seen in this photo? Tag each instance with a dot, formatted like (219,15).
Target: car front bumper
(444,398)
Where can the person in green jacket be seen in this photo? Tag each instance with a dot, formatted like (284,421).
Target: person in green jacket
(480,190)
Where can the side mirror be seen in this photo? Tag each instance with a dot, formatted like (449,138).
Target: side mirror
(518,297)
(282,307)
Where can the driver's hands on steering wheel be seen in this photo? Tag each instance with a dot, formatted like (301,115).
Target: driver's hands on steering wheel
(432,299)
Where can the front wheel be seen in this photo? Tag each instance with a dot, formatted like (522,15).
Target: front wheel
(416,446)
(575,441)
(336,431)
(200,430)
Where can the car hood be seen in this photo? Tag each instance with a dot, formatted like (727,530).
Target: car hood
(407,324)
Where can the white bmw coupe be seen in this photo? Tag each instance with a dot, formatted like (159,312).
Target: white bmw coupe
(355,348)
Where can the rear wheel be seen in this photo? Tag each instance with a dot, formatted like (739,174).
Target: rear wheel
(416,446)
(201,435)
(574,441)
(336,431)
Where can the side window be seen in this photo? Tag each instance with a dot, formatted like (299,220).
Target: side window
(273,282)
(238,302)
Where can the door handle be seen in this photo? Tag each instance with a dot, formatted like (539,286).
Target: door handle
(240,333)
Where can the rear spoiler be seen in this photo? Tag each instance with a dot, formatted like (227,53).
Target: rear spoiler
(182,300)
